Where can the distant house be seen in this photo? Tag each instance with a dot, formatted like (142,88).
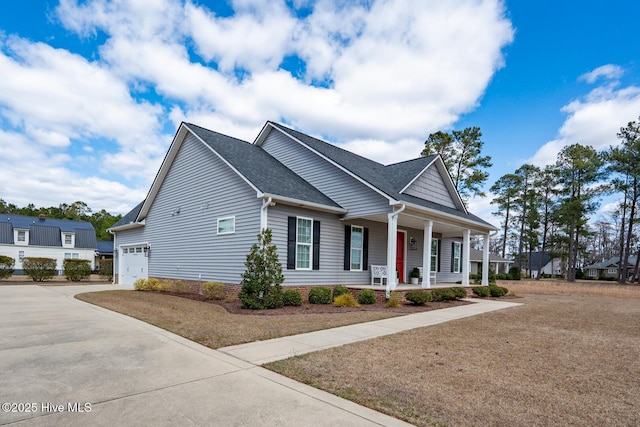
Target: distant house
(499,264)
(27,236)
(104,251)
(334,215)
(550,266)
(609,269)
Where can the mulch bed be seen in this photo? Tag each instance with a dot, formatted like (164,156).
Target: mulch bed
(235,307)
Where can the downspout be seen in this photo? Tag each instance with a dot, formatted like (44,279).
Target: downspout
(391,249)
(263,213)
(113,266)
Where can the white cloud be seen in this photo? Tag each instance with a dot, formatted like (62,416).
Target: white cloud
(377,77)
(593,120)
(608,72)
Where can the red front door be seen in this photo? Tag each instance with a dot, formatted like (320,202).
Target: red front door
(400,256)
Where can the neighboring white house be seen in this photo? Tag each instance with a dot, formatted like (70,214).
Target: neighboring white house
(41,237)
(498,263)
(334,215)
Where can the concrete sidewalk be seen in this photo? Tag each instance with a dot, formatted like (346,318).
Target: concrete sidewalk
(261,352)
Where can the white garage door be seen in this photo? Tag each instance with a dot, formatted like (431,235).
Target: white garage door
(134,265)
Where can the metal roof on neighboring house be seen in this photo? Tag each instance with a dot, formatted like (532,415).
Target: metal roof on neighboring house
(44,235)
(6,233)
(105,247)
(45,231)
(263,170)
(476,255)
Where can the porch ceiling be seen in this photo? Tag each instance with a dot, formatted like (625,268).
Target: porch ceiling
(447,229)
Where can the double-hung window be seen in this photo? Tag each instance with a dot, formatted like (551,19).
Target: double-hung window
(456,256)
(67,239)
(357,240)
(22,236)
(304,243)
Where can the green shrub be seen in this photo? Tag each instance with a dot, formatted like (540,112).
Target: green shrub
(481,291)
(418,297)
(503,276)
(345,300)
(39,269)
(76,269)
(445,294)
(320,295)
(339,290)
(394,300)
(6,266)
(214,290)
(263,276)
(459,292)
(367,296)
(292,297)
(105,269)
(497,291)
(514,273)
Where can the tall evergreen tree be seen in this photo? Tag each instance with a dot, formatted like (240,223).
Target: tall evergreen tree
(506,191)
(579,171)
(461,152)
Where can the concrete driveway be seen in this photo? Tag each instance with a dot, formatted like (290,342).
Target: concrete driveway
(70,363)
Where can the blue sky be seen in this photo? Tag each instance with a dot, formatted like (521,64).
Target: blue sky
(91,92)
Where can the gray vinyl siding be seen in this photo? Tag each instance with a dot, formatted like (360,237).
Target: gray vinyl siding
(186,245)
(445,275)
(345,190)
(331,270)
(430,186)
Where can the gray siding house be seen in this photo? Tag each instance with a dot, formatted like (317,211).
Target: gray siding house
(333,214)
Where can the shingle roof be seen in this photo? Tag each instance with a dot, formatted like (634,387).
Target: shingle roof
(388,179)
(260,168)
(130,216)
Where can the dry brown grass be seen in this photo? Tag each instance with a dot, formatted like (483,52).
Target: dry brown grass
(211,325)
(568,356)
(551,286)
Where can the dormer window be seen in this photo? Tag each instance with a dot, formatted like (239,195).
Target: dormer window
(22,236)
(67,239)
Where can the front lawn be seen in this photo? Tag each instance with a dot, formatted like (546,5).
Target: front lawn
(568,356)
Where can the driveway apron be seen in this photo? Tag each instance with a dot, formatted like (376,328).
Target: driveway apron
(64,362)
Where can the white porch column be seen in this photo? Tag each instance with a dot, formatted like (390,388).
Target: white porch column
(485,260)
(392,238)
(466,253)
(426,255)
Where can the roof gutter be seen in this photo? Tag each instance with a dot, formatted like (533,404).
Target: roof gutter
(303,203)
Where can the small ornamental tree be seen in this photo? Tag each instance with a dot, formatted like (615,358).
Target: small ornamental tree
(6,266)
(39,269)
(76,269)
(262,279)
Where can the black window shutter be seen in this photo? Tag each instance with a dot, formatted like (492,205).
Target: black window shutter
(365,249)
(316,245)
(439,252)
(291,243)
(453,246)
(461,252)
(347,247)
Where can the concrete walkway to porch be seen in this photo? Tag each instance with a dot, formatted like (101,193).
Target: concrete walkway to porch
(261,352)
